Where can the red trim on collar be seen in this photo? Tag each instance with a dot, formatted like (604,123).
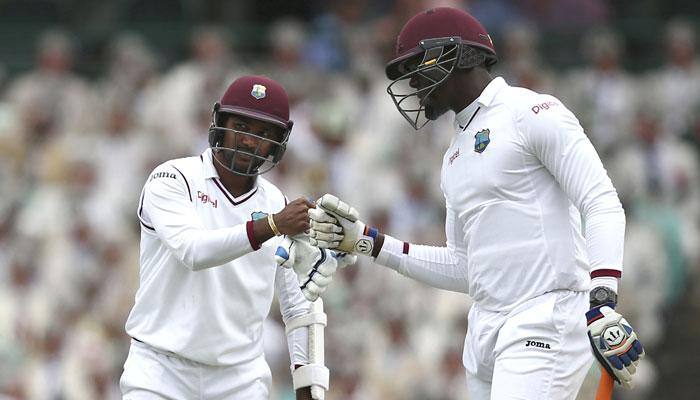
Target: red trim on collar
(225,192)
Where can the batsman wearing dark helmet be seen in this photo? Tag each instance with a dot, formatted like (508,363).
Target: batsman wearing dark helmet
(210,228)
(534,226)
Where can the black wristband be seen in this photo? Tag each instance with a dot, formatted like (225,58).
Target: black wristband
(601,295)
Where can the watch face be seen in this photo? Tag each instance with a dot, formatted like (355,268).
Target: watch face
(601,294)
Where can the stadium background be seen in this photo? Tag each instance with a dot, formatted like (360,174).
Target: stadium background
(94,94)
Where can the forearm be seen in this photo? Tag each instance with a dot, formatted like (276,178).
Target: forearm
(605,235)
(200,249)
(438,267)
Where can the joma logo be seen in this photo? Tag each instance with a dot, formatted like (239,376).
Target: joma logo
(541,345)
(163,175)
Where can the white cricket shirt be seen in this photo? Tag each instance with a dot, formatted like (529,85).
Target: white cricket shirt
(516,178)
(206,285)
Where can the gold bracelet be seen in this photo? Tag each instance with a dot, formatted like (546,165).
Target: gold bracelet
(273,226)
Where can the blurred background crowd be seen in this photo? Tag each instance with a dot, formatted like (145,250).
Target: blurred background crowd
(94,95)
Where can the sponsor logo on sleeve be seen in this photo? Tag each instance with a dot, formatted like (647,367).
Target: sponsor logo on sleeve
(543,106)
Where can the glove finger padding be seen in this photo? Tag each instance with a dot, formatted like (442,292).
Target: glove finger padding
(335,206)
(356,236)
(312,291)
(325,231)
(326,227)
(320,215)
(314,267)
(309,295)
(614,343)
(322,280)
(328,267)
(324,236)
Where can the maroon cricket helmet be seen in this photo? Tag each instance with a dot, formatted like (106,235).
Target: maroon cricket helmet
(440,22)
(428,49)
(259,98)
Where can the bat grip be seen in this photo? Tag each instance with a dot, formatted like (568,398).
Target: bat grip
(605,386)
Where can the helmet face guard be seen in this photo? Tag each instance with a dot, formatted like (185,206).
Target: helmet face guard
(246,161)
(429,68)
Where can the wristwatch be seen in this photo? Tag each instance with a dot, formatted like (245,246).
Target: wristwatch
(601,295)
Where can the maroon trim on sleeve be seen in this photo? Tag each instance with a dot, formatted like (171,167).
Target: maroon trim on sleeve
(606,272)
(405,247)
(251,235)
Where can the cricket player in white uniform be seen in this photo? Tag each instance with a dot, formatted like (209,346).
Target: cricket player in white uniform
(517,177)
(208,272)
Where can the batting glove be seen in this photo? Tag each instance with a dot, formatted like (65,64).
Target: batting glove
(614,343)
(314,267)
(336,225)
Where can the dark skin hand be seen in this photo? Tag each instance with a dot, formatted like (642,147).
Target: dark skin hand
(293,219)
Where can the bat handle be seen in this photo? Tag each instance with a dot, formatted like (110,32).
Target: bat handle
(605,386)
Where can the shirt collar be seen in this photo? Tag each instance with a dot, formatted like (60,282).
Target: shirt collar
(485,98)
(208,169)
(462,118)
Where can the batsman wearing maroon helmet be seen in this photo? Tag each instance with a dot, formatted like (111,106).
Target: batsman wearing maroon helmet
(210,228)
(534,226)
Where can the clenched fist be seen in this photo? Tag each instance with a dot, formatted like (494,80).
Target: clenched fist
(294,218)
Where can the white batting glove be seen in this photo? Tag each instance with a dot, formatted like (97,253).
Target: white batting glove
(614,343)
(314,267)
(336,225)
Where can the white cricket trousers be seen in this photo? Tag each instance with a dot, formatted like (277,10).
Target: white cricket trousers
(538,351)
(150,374)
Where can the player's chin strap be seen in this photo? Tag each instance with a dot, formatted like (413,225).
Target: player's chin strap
(314,374)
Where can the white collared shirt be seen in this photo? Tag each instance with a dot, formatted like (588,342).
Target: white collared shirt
(517,177)
(206,285)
